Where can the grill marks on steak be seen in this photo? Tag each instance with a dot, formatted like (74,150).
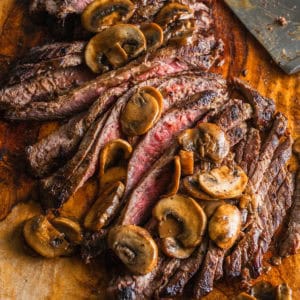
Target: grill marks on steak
(187,269)
(43,87)
(169,60)
(291,241)
(264,108)
(42,59)
(248,246)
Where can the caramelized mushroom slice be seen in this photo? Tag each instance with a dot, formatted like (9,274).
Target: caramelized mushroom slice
(142,111)
(224,226)
(283,292)
(42,237)
(70,228)
(135,247)
(105,207)
(186,162)
(223,182)
(113,175)
(213,142)
(114,46)
(154,35)
(174,186)
(172,12)
(188,229)
(102,13)
(191,186)
(114,153)
(189,139)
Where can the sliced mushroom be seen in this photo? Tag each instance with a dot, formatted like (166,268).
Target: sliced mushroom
(189,139)
(114,153)
(213,142)
(70,228)
(224,226)
(172,12)
(263,290)
(142,111)
(113,175)
(114,46)
(135,247)
(102,13)
(223,182)
(283,292)
(105,207)
(42,237)
(190,224)
(186,162)
(154,35)
(191,186)
(174,186)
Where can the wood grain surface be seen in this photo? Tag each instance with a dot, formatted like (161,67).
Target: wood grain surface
(23,276)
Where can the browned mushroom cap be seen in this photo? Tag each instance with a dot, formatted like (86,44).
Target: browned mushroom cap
(213,142)
(283,292)
(174,186)
(113,175)
(114,46)
(154,35)
(42,237)
(114,153)
(135,247)
(224,226)
(192,187)
(182,223)
(142,111)
(102,13)
(223,182)
(186,162)
(172,12)
(70,228)
(105,207)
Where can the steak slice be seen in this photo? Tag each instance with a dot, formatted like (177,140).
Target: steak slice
(248,246)
(187,269)
(290,244)
(159,138)
(57,188)
(205,278)
(250,151)
(42,59)
(232,115)
(236,133)
(46,155)
(264,108)
(169,60)
(43,87)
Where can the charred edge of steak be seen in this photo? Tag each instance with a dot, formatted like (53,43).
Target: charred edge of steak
(236,133)
(42,59)
(204,280)
(94,244)
(264,108)
(187,269)
(57,188)
(47,154)
(44,87)
(290,244)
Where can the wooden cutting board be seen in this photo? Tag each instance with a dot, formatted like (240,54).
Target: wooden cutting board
(25,277)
